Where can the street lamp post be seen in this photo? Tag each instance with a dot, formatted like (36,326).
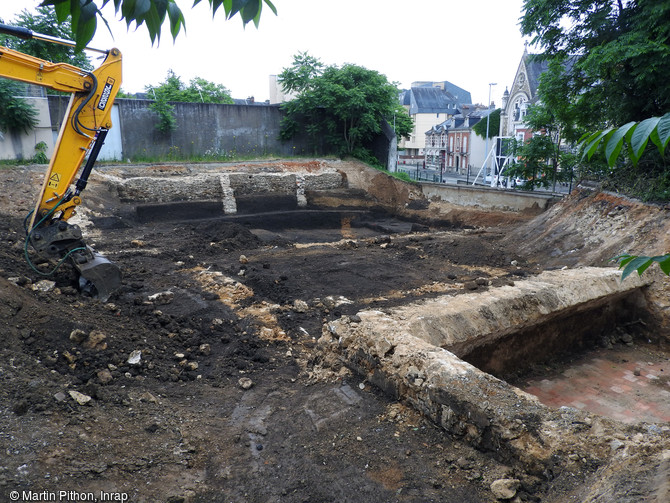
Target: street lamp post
(486,149)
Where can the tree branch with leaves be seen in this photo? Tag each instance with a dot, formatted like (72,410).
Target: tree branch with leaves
(152,14)
(632,139)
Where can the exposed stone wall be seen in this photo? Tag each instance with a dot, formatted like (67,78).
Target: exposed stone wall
(461,323)
(489,199)
(261,183)
(397,351)
(227,186)
(199,187)
(592,227)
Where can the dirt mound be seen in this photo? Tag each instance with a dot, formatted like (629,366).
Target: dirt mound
(592,228)
(199,379)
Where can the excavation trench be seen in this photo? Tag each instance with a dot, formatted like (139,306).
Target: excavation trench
(458,358)
(441,354)
(351,223)
(280,324)
(511,332)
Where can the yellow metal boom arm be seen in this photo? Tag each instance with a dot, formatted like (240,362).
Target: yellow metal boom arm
(88,113)
(85,125)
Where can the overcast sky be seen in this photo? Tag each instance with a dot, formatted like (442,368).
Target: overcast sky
(470,44)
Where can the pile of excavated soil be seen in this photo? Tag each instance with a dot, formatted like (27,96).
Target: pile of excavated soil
(200,380)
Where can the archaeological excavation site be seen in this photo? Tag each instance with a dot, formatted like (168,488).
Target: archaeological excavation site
(316,331)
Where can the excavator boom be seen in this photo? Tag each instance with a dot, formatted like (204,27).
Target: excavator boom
(83,131)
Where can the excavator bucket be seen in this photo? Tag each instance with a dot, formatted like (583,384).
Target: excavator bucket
(98,276)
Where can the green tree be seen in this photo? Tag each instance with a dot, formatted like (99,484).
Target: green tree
(149,13)
(608,60)
(553,119)
(635,136)
(632,138)
(16,115)
(204,91)
(617,52)
(199,90)
(493,125)
(553,112)
(172,89)
(169,90)
(343,108)
(535,162)
(298,77)
(166,119)
(43,21)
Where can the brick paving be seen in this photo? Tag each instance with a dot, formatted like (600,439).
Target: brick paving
(627,383)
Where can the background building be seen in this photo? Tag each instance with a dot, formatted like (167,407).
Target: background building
(429,104)
(452,146)
(520,96)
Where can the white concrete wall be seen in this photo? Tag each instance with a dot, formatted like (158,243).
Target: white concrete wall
(478,150)
(487,198)
(112,149)
(22,145)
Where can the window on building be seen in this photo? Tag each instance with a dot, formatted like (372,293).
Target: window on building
(520,106)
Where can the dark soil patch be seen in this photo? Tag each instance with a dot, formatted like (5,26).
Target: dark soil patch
(227,400)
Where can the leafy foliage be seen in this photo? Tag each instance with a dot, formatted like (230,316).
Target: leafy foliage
(630,263)
(555,118)
(41,153)
(16,115)
(493,126)
(556,113)
(173,89)
(618,52)
(205,91)
(166,119)
(199,90)
(150,13)
(540,156)
(534,164)
(607,66)
(632,167)
(298,77)
(44,21)
(635,136)
(341,108)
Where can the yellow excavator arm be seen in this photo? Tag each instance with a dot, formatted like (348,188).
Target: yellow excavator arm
(83,131)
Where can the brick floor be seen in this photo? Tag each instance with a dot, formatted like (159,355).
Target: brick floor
(628,383)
